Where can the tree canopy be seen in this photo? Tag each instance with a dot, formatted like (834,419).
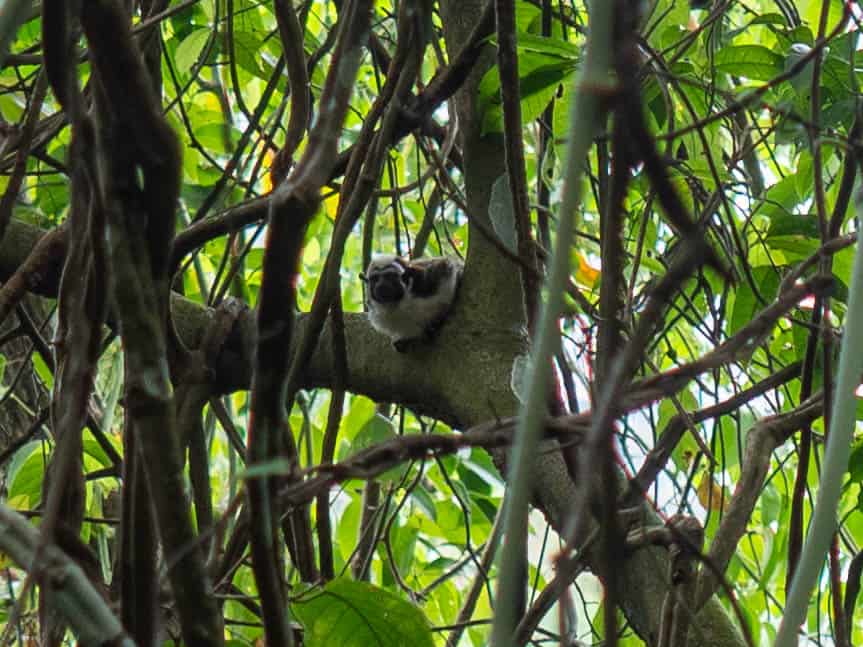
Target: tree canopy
(635,426)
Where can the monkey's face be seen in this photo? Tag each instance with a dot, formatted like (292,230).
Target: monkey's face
(387,284)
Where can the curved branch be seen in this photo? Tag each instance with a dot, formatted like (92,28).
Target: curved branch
(291,33)
(87,613)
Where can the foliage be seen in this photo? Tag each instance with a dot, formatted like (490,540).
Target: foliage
(727,425)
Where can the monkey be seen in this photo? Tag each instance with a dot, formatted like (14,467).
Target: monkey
(408,300)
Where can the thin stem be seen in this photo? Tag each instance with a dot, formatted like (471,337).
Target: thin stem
(835,458)
(593,81)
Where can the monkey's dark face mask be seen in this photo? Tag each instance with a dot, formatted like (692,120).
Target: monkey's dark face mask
(388,285)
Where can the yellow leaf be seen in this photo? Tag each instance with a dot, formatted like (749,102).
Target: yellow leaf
(331,205)
(710,493)
(267,181)
(19,502)
(585,274)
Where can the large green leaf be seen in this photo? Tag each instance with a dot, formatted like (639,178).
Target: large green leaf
(543,65)
(377,429)
(751,61)
(26,474)
(548,46)
(190,49)
(537,89)
(357,614)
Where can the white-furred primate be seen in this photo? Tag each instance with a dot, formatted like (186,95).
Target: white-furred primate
(408,300)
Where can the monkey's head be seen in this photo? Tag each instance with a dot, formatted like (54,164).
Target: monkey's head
(388,279)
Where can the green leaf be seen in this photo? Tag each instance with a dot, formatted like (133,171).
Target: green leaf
(667,21)
(93,449)
(779,543)
(403,541)
(549,46)
(474,482)
(190,49)
(537,90)
(488,509)
(746,302)
(781,197)
(27,473)
(526,17)
(752,61)
(359,411)
(357,614)
(540,75)
(345,538)
(562,104)
(421,496)
(855,462)
(247,52)
(792,224)
(376,430)
(43,371)
(842,264)
(768,19)
(796,248)
(273,467)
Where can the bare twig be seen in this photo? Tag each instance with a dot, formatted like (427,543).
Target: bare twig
(507,58)
(761,440)
(291,33)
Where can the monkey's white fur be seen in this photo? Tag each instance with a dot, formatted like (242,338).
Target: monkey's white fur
(414,296)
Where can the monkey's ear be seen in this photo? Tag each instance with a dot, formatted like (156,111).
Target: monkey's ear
(363,277)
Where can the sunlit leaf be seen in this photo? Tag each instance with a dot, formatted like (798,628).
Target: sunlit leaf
(752,61)
(190,49)
(710,493)
(585,273)
(357,614)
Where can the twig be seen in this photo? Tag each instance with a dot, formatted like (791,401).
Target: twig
(507,59)
(291,33)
